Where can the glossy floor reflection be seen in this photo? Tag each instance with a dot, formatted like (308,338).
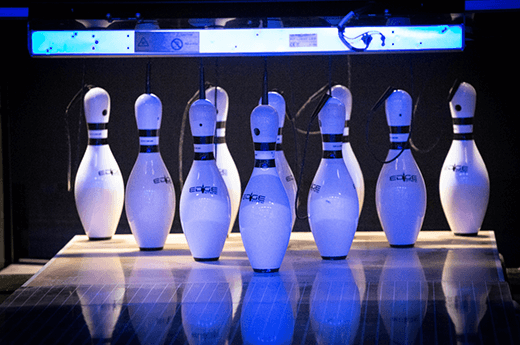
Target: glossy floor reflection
(446,290)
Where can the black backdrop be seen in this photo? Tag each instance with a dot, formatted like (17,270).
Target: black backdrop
(36,92)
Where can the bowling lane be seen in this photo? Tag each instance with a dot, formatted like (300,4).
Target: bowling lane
(445,290)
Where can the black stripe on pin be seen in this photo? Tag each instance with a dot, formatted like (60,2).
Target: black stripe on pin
(462,136)
(399,145)
(332,138)
(265,163)
(265,146)
(149,148)
(97,126)
(203,140)
(399,129)
(94,141)
(204,156)
(279,147)
(346,139)
(332,154)
(462,120)
(220,140)
(148,132)
(221,124)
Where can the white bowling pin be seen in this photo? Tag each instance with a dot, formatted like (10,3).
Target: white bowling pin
(464,180)
(99,189)
(150,194)
(205,207)
(332,205)
(282,166)
(265,215)
(345,96)
(400,189)
(225,163)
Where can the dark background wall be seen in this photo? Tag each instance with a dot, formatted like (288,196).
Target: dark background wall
(36,92)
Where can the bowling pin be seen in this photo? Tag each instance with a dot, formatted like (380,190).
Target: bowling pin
(282,166)
(205,207)
(225,163)
(99,189)
(332,205)
(265,215)
(400,189)
(464,180)
(345,96)
(150,194)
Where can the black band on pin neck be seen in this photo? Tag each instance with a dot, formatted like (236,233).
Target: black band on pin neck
(265,146)
(203,140)
(399,145)
(204,156)
(462,136)
(462,120)
(148,132)
(96,142)
(97,126)
(332,138)
(332,154)
(149,148)
(265,163)
(399,129)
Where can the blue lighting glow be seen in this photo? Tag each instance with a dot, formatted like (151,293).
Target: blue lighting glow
(246,42)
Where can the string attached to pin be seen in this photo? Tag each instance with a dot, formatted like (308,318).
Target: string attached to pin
(184,121)
(324,98)
(148,87)
(265,88)
(73,101)
(370,115)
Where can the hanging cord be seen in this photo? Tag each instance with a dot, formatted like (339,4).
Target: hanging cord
(324,98)
(78,96)
(365,37)
(311,99)
(183,131)
(148,87)
(414,117)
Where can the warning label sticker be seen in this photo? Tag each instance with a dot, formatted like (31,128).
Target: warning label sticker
(303,40)
(165,42)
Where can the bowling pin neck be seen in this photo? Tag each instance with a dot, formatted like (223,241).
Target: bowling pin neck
(149,140)
(265,155)
(399,136)
(462,128)
(332,144)
(98,134)
(220,132)
(204,148)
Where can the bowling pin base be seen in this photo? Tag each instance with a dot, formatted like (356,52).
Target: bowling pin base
(150,249)
(332,258)
(99,238)
(471,234)
(402,245)
(206,259)
(266,270)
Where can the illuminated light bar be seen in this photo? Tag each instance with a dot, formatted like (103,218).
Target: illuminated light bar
(244,42)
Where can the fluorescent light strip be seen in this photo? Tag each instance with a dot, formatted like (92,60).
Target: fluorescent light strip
(243,42)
